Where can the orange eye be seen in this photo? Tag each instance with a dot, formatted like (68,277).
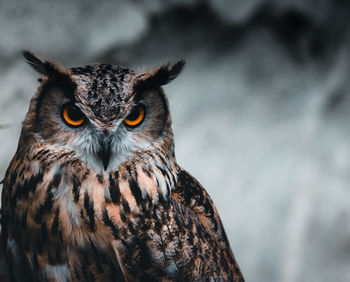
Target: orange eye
(72,115)
(136,116)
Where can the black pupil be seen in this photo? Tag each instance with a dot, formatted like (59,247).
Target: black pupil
(134,113)
(74,113)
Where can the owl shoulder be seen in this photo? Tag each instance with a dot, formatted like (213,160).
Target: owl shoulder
(190,194)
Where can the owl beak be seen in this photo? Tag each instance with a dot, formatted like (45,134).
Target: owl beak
(105,151)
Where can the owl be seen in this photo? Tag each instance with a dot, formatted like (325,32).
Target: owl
(94,192)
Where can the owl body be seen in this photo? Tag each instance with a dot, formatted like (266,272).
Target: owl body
(94,191)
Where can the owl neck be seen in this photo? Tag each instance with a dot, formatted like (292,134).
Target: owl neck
(146,176)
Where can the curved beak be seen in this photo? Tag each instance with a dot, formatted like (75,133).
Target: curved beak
(105,150)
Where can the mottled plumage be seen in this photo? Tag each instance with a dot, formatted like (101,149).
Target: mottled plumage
(105,200)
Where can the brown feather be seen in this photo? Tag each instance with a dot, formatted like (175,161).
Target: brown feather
(141,218)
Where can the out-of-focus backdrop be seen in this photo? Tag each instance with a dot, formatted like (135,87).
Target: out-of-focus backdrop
(261,113)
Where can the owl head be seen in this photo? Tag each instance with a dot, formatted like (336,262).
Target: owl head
(103,113)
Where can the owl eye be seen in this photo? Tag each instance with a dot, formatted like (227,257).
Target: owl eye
(136,116)
(72,116)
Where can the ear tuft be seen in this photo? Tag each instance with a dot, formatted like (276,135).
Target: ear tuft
(175,70)
(160,76)
(45,68)
(34,62)
(56,75)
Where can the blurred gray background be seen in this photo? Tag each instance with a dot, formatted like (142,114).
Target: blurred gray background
(260,114)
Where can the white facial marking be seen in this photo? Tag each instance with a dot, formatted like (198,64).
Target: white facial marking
(12,246)
(63,196)
(58,273)
(121,265)
(87,147)
(162,186)
(35,167)
(171,269)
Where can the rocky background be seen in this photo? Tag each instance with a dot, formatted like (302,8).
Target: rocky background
(261,113)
